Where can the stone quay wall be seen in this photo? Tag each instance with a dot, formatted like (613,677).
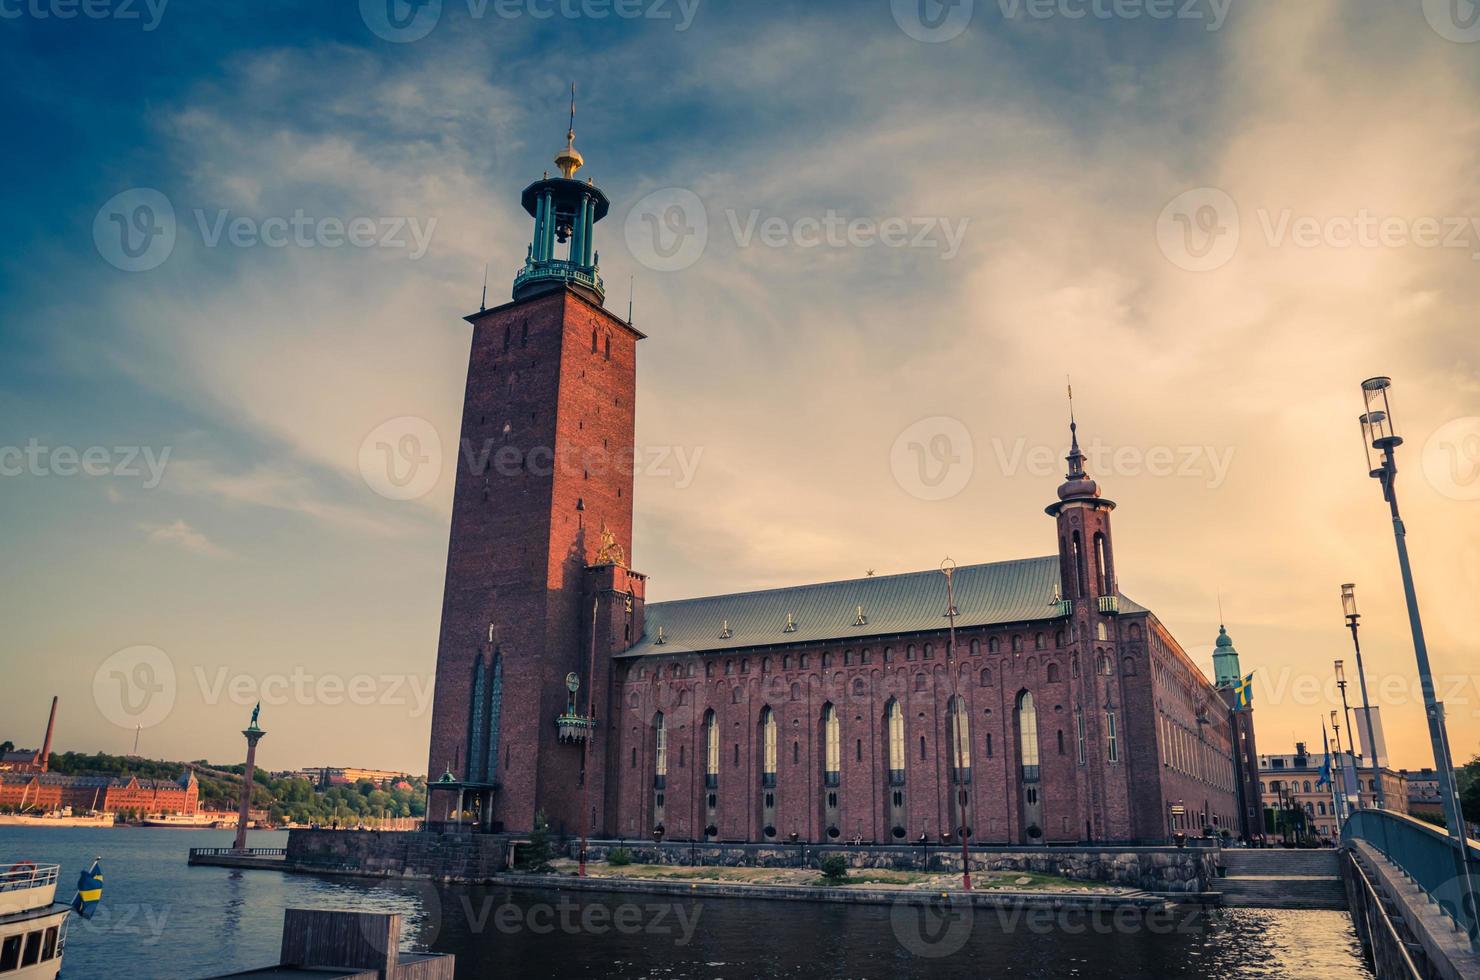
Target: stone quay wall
(1156,869)
(435,856)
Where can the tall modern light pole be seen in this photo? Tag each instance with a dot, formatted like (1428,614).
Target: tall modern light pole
(1349,607)
(1379,436)
(1346,716)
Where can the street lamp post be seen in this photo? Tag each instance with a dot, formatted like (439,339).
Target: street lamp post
(1379,435)
(1346,716)
(1349,607)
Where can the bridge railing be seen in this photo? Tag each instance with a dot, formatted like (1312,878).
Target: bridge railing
(1428,856)
(233,852)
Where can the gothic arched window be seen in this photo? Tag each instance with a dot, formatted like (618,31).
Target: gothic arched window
(711,744)
(960,734)
(1028,734)
(831,740)
(894,731)
(768,742)
(660,746)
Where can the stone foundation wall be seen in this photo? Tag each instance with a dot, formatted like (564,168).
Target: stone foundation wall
(441,857)
(1158,869)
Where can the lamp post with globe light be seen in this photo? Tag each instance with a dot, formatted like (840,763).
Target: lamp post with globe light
(1381,442)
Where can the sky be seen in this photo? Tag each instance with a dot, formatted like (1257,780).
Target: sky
(868,241)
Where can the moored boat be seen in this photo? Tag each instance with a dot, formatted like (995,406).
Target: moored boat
(33,925)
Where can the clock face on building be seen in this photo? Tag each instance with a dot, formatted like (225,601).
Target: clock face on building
(572,682)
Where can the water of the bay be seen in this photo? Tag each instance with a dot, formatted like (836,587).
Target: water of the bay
(162,919)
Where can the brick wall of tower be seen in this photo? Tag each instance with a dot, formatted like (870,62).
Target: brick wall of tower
(546,424)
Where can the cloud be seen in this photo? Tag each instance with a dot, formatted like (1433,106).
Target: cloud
(182,535)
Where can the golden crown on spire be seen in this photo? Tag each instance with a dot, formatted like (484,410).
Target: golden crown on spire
(569,160)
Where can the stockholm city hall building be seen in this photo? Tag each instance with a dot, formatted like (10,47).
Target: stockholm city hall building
(1063,713)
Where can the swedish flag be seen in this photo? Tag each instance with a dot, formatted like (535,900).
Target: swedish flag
(1244,690)
(89,890)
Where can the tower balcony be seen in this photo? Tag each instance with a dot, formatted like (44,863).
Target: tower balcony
(574,727)
(541,276)
(1109,604)
(1062,608)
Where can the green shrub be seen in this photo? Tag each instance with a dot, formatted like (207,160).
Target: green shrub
(535,855)
(619,857)
(834,868)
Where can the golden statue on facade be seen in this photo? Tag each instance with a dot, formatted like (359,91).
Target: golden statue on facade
(610,553)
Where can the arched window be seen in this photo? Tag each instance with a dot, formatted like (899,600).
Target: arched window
(608,347)
(832,746)
(768,742)
(960,734)
(1080,578)
(1102,573)
(593,341)
(1053,673)
(796,692)
(711,744)
(894,725)
(1307,786)
(1112,738)
(986,677)
(660,746)
(1038,641)
(1028,734)
(919,682)
(992,644)
(976,648)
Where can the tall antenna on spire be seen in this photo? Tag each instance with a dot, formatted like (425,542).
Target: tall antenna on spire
(1220,608)
(572,110)
(1068,383)
(483,303)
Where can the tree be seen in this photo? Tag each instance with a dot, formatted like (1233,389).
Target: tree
(535,855)
(1468,779)
(7,746)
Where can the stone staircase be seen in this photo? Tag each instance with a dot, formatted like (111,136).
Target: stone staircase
(1282,879)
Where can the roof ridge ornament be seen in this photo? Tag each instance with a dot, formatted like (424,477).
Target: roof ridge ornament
(569,160)
(791,624)
(859,619)
(725,632)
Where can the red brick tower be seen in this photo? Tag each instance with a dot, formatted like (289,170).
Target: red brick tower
(1087,582)
(545,465)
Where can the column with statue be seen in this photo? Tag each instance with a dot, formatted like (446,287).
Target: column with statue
(253,735)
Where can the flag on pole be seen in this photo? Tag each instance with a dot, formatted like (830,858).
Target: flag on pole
(89,890)
(1324,779)
(1244,690)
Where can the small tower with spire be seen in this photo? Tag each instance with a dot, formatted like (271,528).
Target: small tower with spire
(1086,557)
(565,210)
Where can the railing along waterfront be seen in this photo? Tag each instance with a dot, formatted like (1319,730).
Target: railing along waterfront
(1375,927)
(1427,856)
(233,852)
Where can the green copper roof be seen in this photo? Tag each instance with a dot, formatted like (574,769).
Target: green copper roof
(997,592)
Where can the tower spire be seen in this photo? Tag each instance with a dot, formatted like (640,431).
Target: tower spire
(1075,457)
(569,160)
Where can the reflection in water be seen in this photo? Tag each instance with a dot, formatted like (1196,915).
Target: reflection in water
(162,919)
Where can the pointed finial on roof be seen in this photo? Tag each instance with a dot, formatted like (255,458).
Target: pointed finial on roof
(569,160)
(1075,457)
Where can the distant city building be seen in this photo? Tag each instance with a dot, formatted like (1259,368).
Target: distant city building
(1287,779)
(1424,797)
(32,760)
(324,776)
(105,794)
